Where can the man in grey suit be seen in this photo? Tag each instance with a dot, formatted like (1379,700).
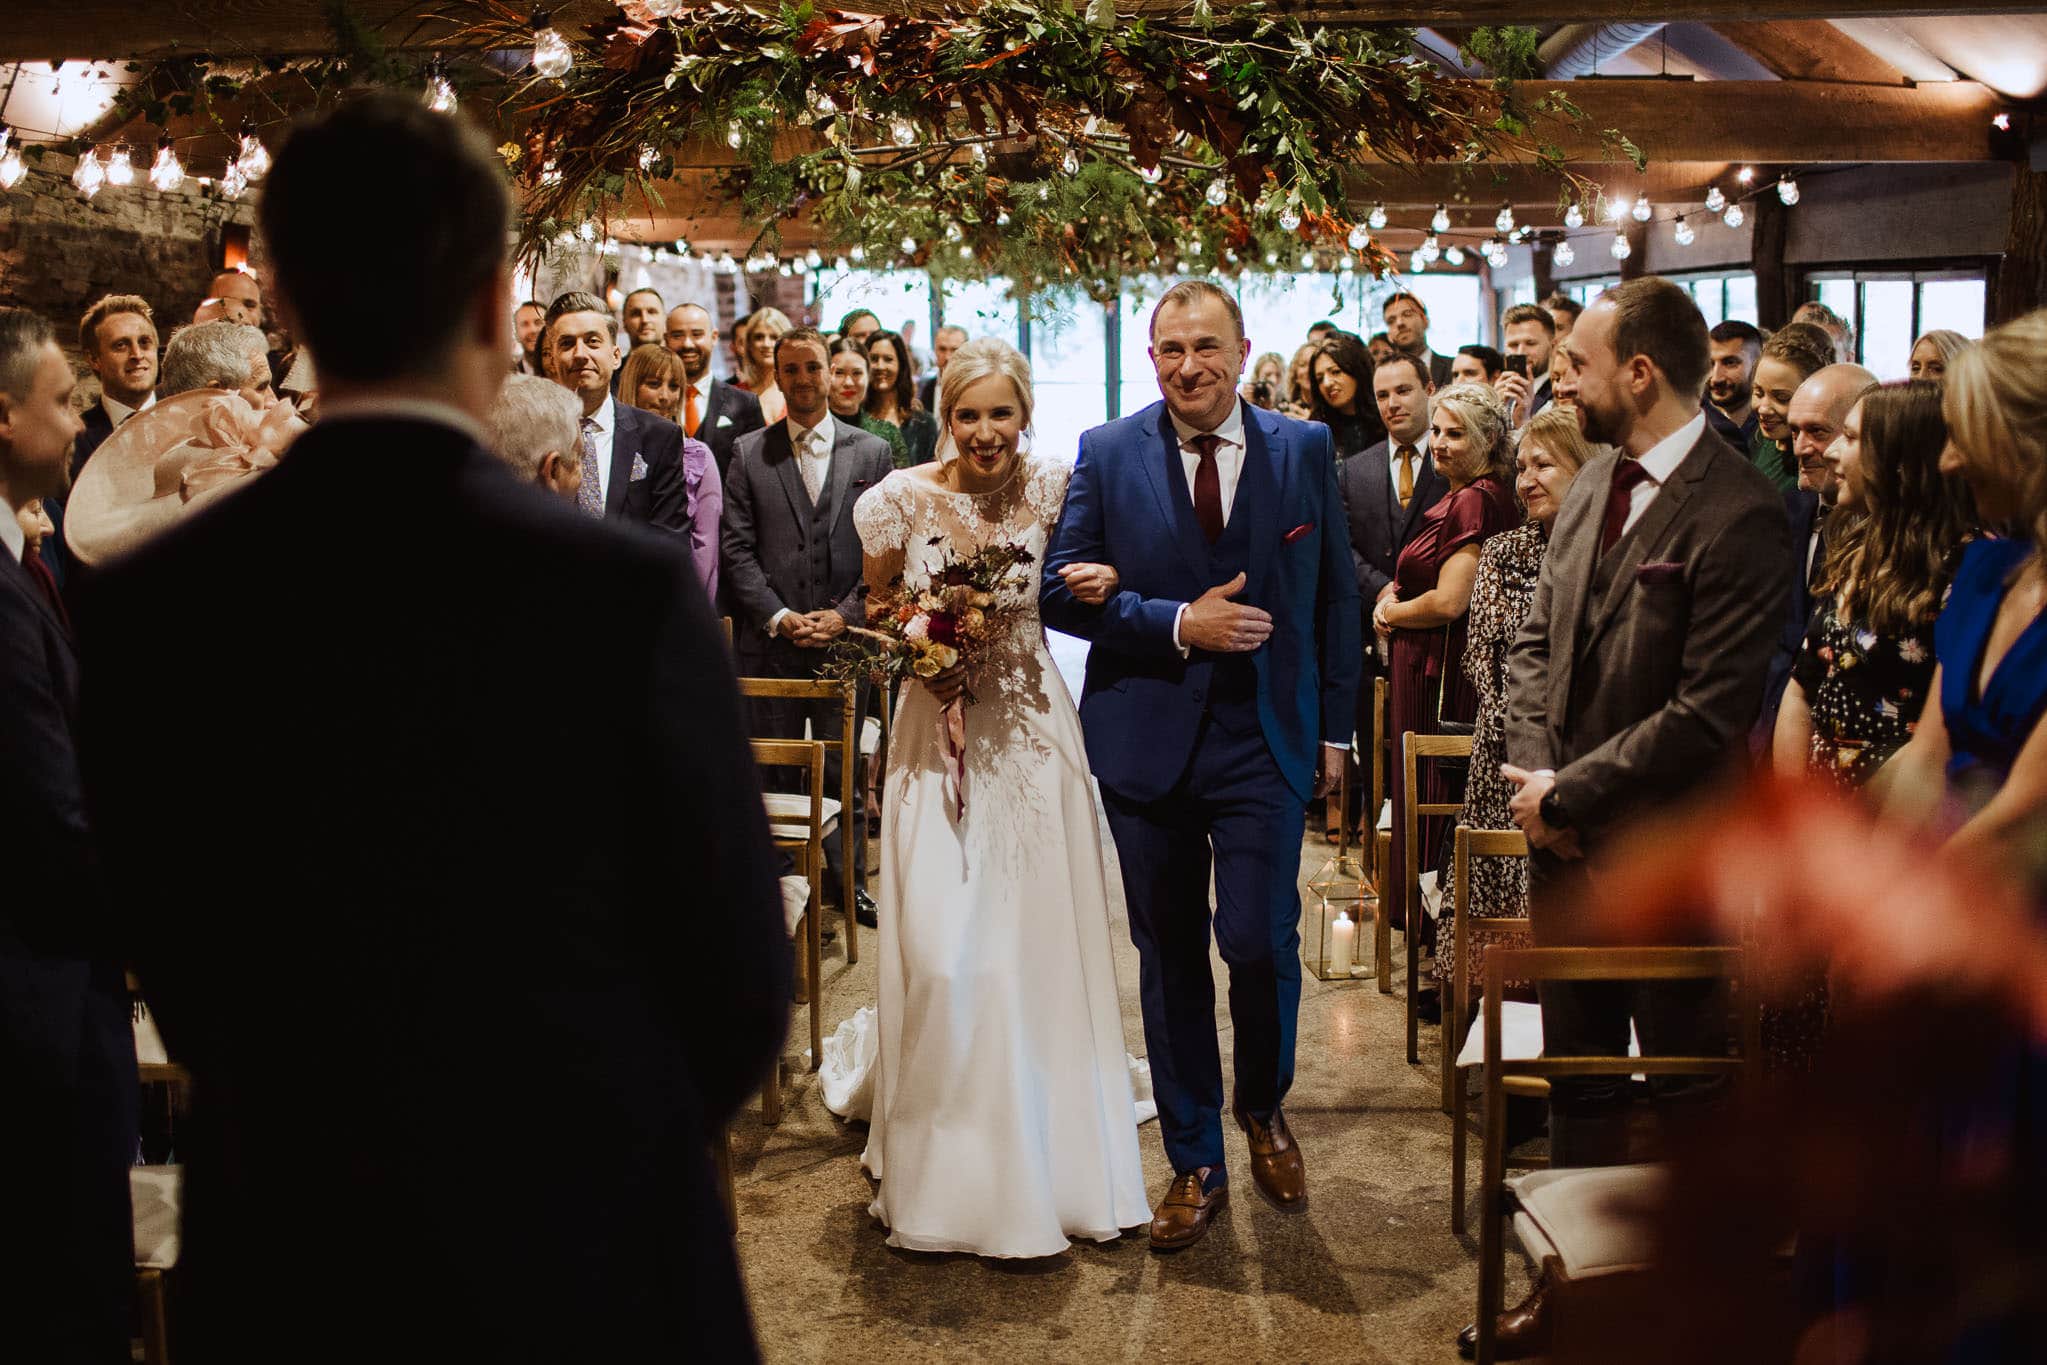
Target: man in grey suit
(792,558)
(1635,679)
(1386,487)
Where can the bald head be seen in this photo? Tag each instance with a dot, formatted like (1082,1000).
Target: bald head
(693,336)
(1815,416)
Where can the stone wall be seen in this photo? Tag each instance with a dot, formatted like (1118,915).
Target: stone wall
(59,252)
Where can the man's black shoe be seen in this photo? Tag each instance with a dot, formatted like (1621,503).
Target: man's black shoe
(865,910)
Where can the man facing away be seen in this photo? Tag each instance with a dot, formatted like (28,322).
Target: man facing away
(498,858)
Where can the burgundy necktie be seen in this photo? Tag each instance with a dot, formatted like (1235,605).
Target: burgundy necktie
(1208,486)
(46,583)
(1626,475)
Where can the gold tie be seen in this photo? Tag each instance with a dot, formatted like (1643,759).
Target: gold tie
(1407,454)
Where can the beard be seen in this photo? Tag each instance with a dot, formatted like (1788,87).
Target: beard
(1601,427)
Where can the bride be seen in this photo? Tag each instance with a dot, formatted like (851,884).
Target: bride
(994,1081)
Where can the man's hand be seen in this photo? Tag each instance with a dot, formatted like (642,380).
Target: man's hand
(825,627)
(947,685)
(1514,390)
(1093,584)
(1526,809)
(1331,777)
(1214,623)
(794,627)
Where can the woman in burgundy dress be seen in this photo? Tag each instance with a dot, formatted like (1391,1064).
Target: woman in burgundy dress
(1423,622)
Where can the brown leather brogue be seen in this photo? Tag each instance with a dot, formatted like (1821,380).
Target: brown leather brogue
(1524,1329)
(1184,1214)
(1276,1163)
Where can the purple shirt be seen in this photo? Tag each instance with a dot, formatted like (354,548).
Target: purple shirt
(704,499)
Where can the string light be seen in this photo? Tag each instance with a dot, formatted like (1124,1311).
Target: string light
(253,159)
(1734,217)
(1641,211)
(1289,217)
(1715,201)
(587,230)
(1432,249)
(234,180)
(1441,221)
(821,102)
(550,175)
(2001,122)
(1002,218)
(166,173)
(120,168)
(551,55)
(1218,193)
(650,155)
(858,253)
(979,152)
(1070,163)
(1453,255)
(952,232)
(1621,249)
(1505,221)
(1359,237)
(1150,174)
(89,174)
(1787,190)
(1745,174)
(1612,210)
(1574,216)
(440,91)
(901,131)
(909,246)
(814,259)
(735,135)
(1417,263)
(11,168)
(1307,260)
(1563,255)
(1377,219)
(1683,232)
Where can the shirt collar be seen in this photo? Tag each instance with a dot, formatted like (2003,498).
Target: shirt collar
(606,416)
(10,531)
(1230,430)
(703,386)
(118,413)
(1421,446)
(824,428)
(405,410)
(1661,460)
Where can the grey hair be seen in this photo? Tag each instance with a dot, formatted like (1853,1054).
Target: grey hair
(23,334)
(210,355)
(532,417)
(982,358)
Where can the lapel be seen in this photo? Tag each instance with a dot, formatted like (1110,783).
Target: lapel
(1264,476)
(1168,479)
(780,453)
(18,576)
(1649,533)
(842,468)
(625,443)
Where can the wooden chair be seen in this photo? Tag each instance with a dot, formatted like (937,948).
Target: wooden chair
(153,1197)
(783,806)
(1475,843)
(1381,845)
(1591,1191)
(1414,747)
(805,837)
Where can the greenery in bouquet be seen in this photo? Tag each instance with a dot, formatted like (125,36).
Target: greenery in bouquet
(921,633)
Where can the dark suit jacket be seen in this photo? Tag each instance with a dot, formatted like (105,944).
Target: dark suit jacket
(56,553)
(1439,369)
(729,413)
(927,392)
(498,864)
(659,497)
(1641,695)
(1379,527)
(772,558)
(1800,507)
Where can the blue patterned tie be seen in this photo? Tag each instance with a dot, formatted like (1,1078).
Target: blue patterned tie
(590,497)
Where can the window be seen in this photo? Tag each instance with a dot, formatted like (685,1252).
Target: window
(894,296)
(1585,291)
(982,307)
(1069,354)
(1722,296)
(1890,309)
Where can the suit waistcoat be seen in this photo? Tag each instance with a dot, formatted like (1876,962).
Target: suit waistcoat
(1233,681)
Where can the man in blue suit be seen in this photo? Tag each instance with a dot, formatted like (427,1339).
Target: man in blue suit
(1219,699)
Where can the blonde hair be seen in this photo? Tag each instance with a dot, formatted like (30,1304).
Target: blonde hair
(650,360)
(1557,431)
(981,358)
(1484,417)
(765,317)
(1996,408)
(1947,342)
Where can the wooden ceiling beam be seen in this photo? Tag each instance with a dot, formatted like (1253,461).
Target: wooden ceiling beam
(1801,51)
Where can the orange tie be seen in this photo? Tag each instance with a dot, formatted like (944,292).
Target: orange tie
(690,416)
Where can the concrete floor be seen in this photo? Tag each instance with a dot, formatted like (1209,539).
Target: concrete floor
(1368,1272)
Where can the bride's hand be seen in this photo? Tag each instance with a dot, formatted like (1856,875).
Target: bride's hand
(947,685)
(1093,584)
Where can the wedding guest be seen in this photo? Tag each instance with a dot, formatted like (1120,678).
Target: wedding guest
(238,295)
(849,379)
(1563,381)
(117,337)
(1423,619)
(1475,363)
(36,530)
(892,398)
(1407,329)
(714,412)
(1839,330)
(1340,394)
(1730,385)
(219,355)
(1934,352)
(1380,347)
(1318,332)
(1300,380)
(1268,381)
(66,1048)
(652,380)
(1526,330)
(1386,487)
(1862,674)
(536,426)
(1790,356)
(632,460)
(655,376)
(1630,702)
(1564,311)
(641,318)
(945,343)
(1547,459)
(857,326)
(762,329)
(526,320)
(396,772)
(792,556)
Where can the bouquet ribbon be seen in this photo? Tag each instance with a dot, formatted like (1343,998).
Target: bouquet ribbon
(952,723)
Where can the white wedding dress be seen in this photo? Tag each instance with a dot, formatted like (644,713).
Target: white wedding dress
(992,1072)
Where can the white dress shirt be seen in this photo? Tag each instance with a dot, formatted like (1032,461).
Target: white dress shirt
(1659,462)
(813,451)
(601,424)
(1229,456)
(118,413)
(10,531)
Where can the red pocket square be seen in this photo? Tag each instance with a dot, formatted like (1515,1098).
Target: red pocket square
(1299,531)
(1662,572)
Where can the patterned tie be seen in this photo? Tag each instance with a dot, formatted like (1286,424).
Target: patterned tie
(1626,475)
(690,416)
(1208,486)
(1407,457)
(590,496)
(807,461)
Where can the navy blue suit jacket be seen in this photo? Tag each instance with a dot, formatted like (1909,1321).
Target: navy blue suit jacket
(1142,703)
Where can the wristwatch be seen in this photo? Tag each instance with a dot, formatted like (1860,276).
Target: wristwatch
(1552,809)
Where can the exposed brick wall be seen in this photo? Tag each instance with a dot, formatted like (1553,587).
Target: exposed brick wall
(58,252)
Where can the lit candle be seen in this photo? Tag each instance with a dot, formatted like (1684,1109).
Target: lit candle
(1342,937)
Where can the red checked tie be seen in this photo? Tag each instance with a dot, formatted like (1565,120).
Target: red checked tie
(1626,475)
(1208,486)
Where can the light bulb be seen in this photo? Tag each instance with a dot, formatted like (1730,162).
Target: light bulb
(1289,217)
(1574,216)
(901,131)
(841,264)
(1070,163)
(1612,210)
(1044,192)
(255,161)
(1349,265)
(166,173)
(966,251)
(1441,222)
(1417,263)
(814,259)
(89,174)
(551,55)
(1787,190)
(1642,210)
(649,155)
(1218,193)
(11,168)
(1307,260)
(234,180)
(1377,218)
(1715,200)
(1683,232)
(909,246)
(1505,221)
(682,247)
(979,152)
(1745,174)
(1563,255)
(858,253)
(952,232)
(854,175)
(1454,255)
(1734,217)
(440,91)
(1431,248)
(735,135)
(1150,174)
(120,168)
(821,103)
(1621,249)
(1358,237)
(587,230)
(1272,258)
(1002,218)
(6,136)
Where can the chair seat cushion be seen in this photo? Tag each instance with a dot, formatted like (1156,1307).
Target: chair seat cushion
(1520,1034)
(795,901)
(789,814)
(153,1190)
(1595,1220)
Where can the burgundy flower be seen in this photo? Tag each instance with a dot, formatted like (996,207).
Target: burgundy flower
(944,630)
